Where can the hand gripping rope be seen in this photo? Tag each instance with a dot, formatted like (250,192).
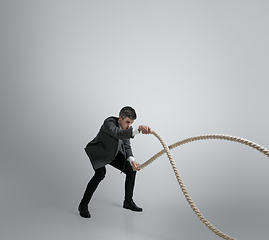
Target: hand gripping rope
(181,184)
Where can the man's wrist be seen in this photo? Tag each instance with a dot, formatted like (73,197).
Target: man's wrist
(135,132)
(130,159)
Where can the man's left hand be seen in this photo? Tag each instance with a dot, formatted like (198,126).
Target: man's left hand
(135,166)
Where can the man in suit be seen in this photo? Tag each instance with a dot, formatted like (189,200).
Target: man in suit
(112,146)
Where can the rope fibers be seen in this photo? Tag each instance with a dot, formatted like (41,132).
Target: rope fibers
(166,149)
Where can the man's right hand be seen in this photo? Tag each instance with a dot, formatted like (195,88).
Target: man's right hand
(144,129)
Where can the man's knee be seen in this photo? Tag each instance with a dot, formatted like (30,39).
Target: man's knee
(130,172)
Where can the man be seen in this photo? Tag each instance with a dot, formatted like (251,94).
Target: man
(112,146)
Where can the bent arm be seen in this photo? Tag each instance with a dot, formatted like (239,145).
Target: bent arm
(113,130)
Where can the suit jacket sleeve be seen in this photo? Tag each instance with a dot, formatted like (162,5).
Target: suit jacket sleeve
(128,149)
(111,128)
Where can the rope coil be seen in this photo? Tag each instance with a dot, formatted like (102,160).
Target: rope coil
(166,149)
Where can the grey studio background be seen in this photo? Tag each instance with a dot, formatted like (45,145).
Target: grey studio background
(187,67)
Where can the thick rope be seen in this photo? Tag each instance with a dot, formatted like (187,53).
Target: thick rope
(181,184)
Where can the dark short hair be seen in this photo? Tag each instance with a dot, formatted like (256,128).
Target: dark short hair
(128,112)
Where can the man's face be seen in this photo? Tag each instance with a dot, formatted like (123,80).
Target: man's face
(125,123)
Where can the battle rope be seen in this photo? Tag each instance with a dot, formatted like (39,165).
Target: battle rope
(181,184)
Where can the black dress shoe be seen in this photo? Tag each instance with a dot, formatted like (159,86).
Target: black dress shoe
(83,211)
(132,206)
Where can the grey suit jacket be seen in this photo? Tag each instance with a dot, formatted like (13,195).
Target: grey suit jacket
(106,145)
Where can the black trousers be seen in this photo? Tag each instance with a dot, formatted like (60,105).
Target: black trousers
(120,163)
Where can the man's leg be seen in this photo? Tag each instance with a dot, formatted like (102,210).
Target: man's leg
(120,163)
(90,189)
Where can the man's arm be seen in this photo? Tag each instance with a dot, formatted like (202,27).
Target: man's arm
(112,129)
(145,130)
